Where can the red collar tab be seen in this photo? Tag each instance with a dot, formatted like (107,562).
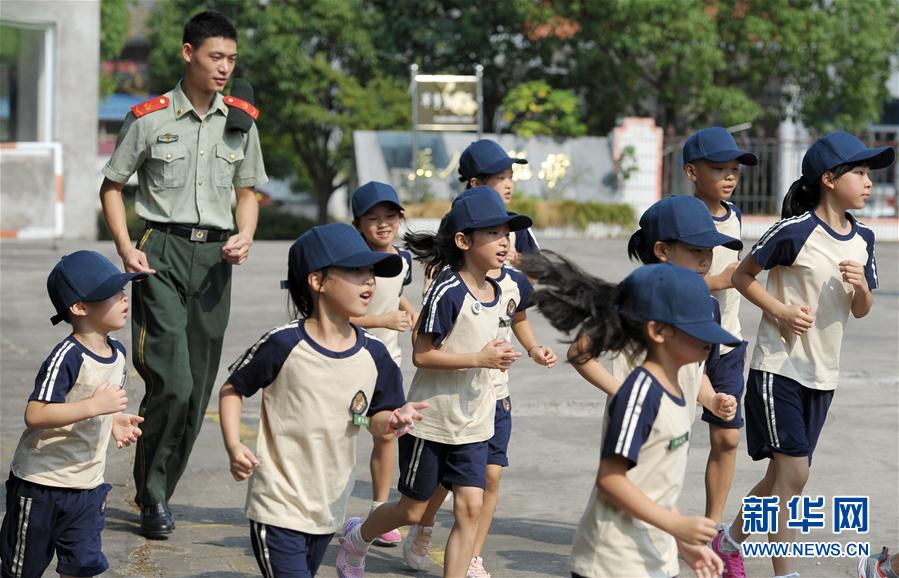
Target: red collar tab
(243,105)
(148,106)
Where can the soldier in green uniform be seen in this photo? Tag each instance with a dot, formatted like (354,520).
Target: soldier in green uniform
(190,169)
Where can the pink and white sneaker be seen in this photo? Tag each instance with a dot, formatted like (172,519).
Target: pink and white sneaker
(350,560)
(476,568)
(416,546)
(733,561)
(391,538)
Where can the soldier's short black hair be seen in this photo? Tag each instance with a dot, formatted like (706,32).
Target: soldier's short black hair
(208,24)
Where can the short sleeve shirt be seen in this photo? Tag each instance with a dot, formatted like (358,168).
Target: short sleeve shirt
(462,401)
(516,297)
(524,242)
(306,444)
(386,299)
(72,456)
(729,224)
(802,256)
(187,166)
(649,427)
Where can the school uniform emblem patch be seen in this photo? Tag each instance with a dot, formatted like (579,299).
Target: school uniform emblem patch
(510,308)
(506,405)
(358,407)
(476,307)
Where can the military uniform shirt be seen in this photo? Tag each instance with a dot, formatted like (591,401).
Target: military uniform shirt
(187,166)
(462,400)
(72,456)
(386,299)
(516,297)
(306,444)
(649,427)
(802,255)
(729,224)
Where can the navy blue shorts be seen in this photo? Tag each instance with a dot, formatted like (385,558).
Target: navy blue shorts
(726,375)
(424,464)
(42,520)
(783,416)
(498,445)
(285,553)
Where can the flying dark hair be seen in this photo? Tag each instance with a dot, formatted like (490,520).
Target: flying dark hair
(579,304)
(208,24)
(804,196)
(435,250)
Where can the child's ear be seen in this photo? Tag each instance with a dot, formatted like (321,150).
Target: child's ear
(473,182)
(462,241)
(315,281)
(660,250)
(827,180)
(656,332)
(690,171)
(79,309)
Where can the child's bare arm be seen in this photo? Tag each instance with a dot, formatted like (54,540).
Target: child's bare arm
(243,462)
(614,484)
(524,332)
(397,320)
(495,355)
(592,370)
(862,298)
(798,318)
(723,279)
(45,415)
(406,305)
(722,405)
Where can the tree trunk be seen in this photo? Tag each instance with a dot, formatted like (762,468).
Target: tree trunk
(323,195)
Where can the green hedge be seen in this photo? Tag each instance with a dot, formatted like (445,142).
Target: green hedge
(562,212)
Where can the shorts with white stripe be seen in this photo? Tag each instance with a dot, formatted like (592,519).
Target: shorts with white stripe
(783,416)
(284,553)
(424,464)
(41,521)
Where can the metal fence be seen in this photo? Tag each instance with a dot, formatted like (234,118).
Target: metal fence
(762,187)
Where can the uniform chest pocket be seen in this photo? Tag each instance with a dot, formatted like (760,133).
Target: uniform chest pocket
(168,166)
(227,160)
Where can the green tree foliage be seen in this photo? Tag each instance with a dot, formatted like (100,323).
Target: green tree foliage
(113,31)
(688,63)
(536,108)
(314,67)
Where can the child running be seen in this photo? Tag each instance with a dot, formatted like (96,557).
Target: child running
(516,292)
(56,494)
(376,215)
(322,378)
(712,163)
(454,349)
(631,526)
(821,267)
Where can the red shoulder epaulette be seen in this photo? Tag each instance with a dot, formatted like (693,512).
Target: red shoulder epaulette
(243,105)
(148,106)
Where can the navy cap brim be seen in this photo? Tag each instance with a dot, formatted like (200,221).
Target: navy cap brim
(743,157)
(497,167)
(106,290)
(712,239)
(708,332)
(366,209)
(515,221)
(384,264)
(875,158)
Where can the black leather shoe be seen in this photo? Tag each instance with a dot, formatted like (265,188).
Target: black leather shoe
(156,522)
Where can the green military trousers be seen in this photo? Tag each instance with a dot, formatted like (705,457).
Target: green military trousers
(179,316)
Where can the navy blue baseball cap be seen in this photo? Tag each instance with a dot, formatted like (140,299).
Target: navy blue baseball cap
(717,145)
(485,157)
(338,245)
(480,207)
(372,193)
(670,294)
(839,148)
(84,276)
(685,219)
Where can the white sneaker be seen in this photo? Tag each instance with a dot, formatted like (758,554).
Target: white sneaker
(476,569)
(416,546)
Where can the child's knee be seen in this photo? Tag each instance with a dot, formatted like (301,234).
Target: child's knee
(384,442)
(725,440)
(468,504)
(494,475)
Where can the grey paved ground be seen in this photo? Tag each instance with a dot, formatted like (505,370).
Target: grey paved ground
(554,450)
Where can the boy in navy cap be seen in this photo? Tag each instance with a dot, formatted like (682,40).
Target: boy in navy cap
(712,162)
(55,495)
(485,162)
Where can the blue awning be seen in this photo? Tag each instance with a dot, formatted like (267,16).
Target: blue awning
(117,105)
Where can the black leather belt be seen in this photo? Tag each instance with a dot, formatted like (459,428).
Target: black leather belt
(195,234)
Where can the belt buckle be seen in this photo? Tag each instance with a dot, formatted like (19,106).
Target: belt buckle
(198,235)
